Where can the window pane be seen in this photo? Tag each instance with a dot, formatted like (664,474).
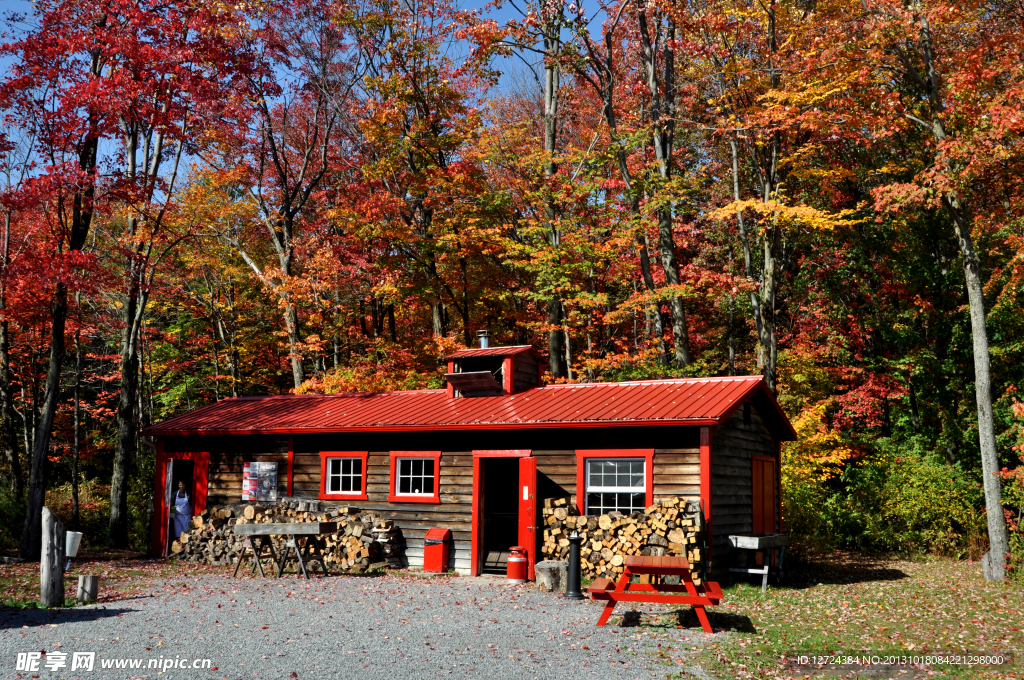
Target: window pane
(357,484)
(346,483)
(334,465)
(404,466)
(417,467)
(357,466)
(417,484)
(428,483)
(403,485)
(428,467)
(335,484)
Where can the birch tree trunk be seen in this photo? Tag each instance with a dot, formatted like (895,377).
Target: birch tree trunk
(928,79)
(51,563)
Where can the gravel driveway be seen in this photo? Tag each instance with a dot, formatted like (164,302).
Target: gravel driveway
(347,627)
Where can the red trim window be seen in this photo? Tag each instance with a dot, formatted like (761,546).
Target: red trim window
(343,475)
(614,479)
(415,477)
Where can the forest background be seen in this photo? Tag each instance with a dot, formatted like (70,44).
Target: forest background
(204,200)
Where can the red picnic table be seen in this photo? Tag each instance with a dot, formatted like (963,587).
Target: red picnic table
(708,593)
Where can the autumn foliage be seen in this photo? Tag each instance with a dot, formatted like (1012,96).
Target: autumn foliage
(344,192)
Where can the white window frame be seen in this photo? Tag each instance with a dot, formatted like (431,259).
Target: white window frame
(432,477)
(361,476)
(614,489)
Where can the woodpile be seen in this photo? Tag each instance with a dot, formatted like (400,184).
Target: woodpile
(364,540)
(669,527)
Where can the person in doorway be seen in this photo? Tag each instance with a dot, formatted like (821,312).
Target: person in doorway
(182,510)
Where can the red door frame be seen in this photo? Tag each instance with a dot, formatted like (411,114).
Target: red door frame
(161,516)
(475,552)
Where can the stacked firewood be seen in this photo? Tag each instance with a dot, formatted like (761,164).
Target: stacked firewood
(363,540)
(670,527)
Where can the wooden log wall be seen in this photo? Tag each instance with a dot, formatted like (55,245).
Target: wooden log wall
(733,445)
(524,372)
(676,470)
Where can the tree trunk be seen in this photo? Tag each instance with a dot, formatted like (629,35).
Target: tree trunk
(291,322)
(31,536)
(78,424)
(552,83)
(661,116)
(998,538)
(7,433)
(994,565)
(127,424)
(437,318)
(51,564)
(666,243)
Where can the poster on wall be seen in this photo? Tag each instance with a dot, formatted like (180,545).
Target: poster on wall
(246,476)
(259,482)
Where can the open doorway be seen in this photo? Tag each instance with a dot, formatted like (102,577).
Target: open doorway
(500,511)
(179,470)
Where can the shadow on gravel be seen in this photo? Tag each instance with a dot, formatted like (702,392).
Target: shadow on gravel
(16,618)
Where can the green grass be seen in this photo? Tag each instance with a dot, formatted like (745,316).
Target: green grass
(34,604)
(850,605)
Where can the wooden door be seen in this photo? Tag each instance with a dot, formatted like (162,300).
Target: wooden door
(528,511)
(764,495)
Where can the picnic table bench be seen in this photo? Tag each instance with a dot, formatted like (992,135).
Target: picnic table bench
(708,593)
(313,548)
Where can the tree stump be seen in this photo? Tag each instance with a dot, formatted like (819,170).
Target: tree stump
(88,588)
(51,562)
(551,575)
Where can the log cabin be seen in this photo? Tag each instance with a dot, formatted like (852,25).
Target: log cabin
(479,456)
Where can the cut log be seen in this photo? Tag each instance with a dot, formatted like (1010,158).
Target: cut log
(88,588)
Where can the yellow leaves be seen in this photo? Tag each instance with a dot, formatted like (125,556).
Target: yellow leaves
(820,451)
(781,214)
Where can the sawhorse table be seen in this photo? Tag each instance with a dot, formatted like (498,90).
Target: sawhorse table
(705,595)
(313,549)
(771,548)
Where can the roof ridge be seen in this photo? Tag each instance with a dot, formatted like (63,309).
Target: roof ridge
(646,381)
(656,381)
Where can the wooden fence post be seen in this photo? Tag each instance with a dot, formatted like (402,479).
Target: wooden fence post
(51,562)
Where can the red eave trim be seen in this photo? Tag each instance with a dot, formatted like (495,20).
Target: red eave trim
(561,424)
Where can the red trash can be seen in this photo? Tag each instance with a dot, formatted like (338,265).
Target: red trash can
(516,568)
(435,550)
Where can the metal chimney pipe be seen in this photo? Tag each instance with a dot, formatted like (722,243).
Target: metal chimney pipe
(483,337)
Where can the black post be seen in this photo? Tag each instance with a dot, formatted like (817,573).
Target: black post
(572,588)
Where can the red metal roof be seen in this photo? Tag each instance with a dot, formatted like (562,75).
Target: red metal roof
(491,352)
(683,401)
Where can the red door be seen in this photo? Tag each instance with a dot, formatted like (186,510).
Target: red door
(528,510)
(764,495)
